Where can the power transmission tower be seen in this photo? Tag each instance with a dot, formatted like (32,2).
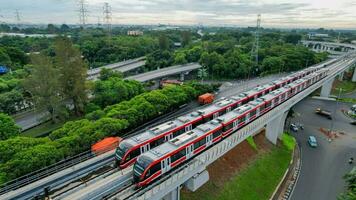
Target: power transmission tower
(107,17)
(83,12)
(255,47)
(254,53)
(18,17)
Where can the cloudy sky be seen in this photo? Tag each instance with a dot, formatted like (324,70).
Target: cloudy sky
(275,13)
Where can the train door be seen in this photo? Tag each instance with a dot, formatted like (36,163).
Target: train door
(215,115)
(209,140)
(188,128)
(166,165)
(258,112)
(145,148)
(168,137)
(235,124)
(272,103)
(228,109)
(189,151)
(247,118)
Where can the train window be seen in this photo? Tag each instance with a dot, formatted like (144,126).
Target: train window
(157,142)
(268,104)
(175,157)
(262,107)
(196,145)
(133,154)
(155,168)
(242,119)
(228,127)
(217,133)
(253,112)
(181,131)
(202,142)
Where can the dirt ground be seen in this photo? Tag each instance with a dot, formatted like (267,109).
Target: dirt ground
(235,160)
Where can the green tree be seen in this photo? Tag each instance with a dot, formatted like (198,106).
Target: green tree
(8,128)
(4,58)
(293,38)
(43,84)
(350,193)
(105,74)
(272,64)
(73,73)
(163,41)
(179,58)
(202,73)
(186,38)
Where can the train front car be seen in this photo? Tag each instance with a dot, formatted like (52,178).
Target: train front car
(151,165)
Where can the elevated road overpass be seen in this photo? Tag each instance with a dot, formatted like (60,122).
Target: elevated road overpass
(331,47)
(123,66)
(164,72)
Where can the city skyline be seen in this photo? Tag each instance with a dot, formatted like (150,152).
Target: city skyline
(278,13)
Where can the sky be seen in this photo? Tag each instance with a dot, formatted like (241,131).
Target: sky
(337,14)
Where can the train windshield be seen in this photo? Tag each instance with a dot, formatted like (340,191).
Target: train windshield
(141,164)
(122,149)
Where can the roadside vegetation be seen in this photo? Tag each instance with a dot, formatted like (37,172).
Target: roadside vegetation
(257,180)
(350,179)
(22,155)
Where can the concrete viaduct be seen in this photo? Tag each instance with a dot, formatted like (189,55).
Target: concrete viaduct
(331,47)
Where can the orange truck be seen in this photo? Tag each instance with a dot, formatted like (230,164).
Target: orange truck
(206,98)
(105,145)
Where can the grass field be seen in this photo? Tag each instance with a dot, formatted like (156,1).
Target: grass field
(257,181)
(347,86)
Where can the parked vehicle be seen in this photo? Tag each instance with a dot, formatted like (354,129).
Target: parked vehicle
(105,145)
(353,123)
(312,141)
(325,113)
(294,127)
(206,98)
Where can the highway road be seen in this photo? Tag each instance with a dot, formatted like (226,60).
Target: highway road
(323,167)
(160,73)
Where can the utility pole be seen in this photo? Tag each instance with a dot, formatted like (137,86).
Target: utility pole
(107,17)
(83,12)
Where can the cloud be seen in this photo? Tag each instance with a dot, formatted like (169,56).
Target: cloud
(215,12)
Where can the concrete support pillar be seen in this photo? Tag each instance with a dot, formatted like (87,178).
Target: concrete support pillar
(341,76)
(275,127)
(326,88)
(173,195)
(182,76)
(354,75)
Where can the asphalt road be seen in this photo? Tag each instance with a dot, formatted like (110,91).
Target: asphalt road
(323,167)
(159,73)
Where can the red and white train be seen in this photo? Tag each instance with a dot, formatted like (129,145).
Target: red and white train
(130,148)
(154,163)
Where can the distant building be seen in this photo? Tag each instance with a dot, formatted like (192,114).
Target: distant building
(134,33)
(177,44)
(317,35)
(28,35)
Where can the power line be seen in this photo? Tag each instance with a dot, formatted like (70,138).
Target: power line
(83,12)
(107,17)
